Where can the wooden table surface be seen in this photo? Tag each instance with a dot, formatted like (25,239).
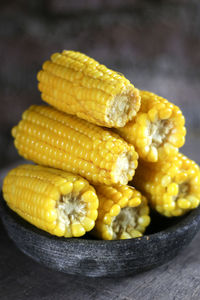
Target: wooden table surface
(21,278)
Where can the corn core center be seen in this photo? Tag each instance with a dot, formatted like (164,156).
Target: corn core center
(122,108)
(124,167)
(125,221)
(184,190)
(70,209)
(159,132)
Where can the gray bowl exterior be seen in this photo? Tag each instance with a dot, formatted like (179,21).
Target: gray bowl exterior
(96,258)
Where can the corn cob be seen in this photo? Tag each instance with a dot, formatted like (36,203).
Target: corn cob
(55,139)
(172,187)
(58,202)
(157,130)
(123,213)
(79,85)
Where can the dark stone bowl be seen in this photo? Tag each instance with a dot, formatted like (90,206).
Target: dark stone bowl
(96,258)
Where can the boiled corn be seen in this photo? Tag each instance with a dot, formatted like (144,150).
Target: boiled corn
(58,202)
(79,85)
(123,213)
(158,129)
(55,139)
(172,186)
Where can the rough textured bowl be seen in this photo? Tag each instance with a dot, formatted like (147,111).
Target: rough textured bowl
(95,258)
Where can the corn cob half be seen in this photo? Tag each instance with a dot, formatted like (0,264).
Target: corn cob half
(55,139)
(172,187)
(158,129)
(123,213)
(58,202)
(79,85)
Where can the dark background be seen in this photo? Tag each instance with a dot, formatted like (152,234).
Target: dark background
(156,44)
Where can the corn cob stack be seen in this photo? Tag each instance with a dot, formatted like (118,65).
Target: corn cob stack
(172,187)
(52,138)
(123,213)
(157,131)
(78,85)
(61,203)
(64,204)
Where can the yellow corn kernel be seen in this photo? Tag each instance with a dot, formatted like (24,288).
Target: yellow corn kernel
(123,202)
(107,205)
(135,202)
(89,196)
(125,236)
(194,202)
(125,216)
(59,229)
(172,186)
(177,212)
(92,214)
(169,206)
(166,180)
(87,223)
(183,203)
(77,229)
(153,114)
(66,188)
(50,199)
(115,210)
(77,84)
(93,205)
(135,233)
(157,131)
(172,189)
(107,219)
(107,233)
(144,220)
(78,186)
(55,139)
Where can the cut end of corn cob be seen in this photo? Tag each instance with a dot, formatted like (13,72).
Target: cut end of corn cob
(79,85)
(124,168)
(72,209)
(123,213)
(172,187)
(124,223)
(158,129)
(52,138)
(58,202)
(123,107)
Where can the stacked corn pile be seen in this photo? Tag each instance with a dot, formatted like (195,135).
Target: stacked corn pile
(87,142)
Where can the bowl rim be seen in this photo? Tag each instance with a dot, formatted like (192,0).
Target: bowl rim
(185,222)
